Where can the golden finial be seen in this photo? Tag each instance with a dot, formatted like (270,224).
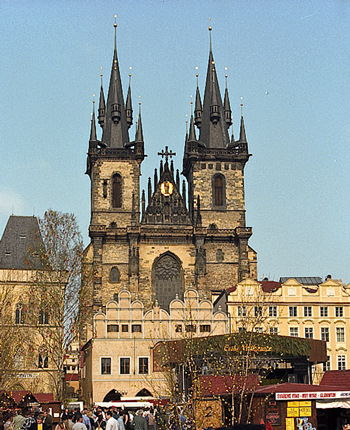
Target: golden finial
(191,105)
(115,32)
(186,123)
(226,76)
(101,74)
(139,100)
(210,29)
(130,68)
(241,106)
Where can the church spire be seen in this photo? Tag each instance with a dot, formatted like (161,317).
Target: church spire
(128,105)
(242,136)
(227,107)
(115,131)
(192,135)
(213,131)
(102,106)
(139,131)
(198,110)
(93,135)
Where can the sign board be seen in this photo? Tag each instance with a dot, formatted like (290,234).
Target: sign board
(292,412)
(273,412)
(314,395)
(208,413)
(290,424)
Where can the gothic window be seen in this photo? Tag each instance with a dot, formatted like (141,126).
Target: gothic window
(19,314)
(167,279)
(114,275)
(218,190)
(43,361)
(117,191)
(219,256)
(43,316)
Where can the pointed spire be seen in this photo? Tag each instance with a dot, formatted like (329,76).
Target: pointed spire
(139,132)
(178,179)
(172,168)
(93,136)
(242,135)
(184,192)
(198,109)
(227,107)
(128,104)
(161,169)
(143,200)
(102,106)
(232,136)
(115,130)
(155,180)
(149,190)
(213,130)
(192,135)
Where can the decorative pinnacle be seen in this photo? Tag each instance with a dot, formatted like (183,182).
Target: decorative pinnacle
(241,106)
(166,154)
(210,29)
(115,32)
(101,74)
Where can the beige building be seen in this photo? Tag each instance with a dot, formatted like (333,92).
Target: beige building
(118,360)
(301,307)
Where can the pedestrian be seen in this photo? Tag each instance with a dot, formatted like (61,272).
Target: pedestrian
(79,425)
(48,419)
(86,420)
(111,424)
(39,423)
(28,420)
(139,422)
(18,420)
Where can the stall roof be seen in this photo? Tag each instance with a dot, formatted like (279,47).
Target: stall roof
(341,378)
(216,385)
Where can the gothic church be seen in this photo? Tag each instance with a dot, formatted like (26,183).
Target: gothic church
(178,233)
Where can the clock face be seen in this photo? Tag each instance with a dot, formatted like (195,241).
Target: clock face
(166,188)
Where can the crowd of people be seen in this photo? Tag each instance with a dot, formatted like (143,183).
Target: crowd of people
(97,418)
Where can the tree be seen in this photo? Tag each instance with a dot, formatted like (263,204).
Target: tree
(57,294)
(11,339)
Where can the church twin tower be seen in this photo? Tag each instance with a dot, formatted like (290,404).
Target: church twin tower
(189,233)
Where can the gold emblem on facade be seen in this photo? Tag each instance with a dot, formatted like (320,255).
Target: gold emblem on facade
(166,188)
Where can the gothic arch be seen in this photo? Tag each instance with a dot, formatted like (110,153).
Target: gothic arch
(116,191)
(167,278)
(112,395)
(219,190)
(114,275)
(144,393)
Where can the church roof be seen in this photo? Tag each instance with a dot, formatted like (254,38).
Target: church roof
(313,280)
(20,239)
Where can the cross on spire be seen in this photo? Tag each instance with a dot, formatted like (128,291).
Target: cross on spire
(166,154)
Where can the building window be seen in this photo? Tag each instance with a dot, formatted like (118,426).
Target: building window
(324,311)
(339,311)
(340,334)
(294,331)
(43,316)
(341,362)
(257,311)
(112,328)
(307,311)
(117,191)
(219,256)
(309,333)
(125,328)
(205,328)
(19,314)
(241,311)
(327,366)
(43,360)
(272,311)
(168,279)
(293,311)
(259,330)
(125,366)
(292,291)
(143,365)
(274,330)
(114,275)
(178,328)
(106,366)
(191,328)
(219,190)
(136,328)
(325,334)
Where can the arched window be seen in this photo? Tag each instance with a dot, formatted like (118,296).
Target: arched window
(117,191)
(43,360)
(19,314)
(219,190)
(43,316)
(168,279)
(114,275)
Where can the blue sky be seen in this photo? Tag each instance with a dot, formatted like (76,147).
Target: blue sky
(289,60)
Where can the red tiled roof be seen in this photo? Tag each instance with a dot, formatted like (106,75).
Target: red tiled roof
(231,289)
(269,286)
(72,377)
(340,378)
(226,384)
(288,387)
(44,397)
